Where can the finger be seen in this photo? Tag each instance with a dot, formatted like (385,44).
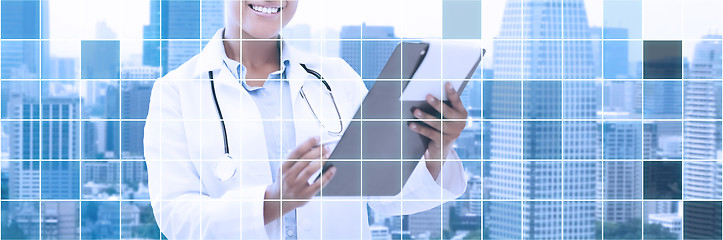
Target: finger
(316,186)
(428,132)
(325,152)
(438,105)
(309,170)
(294,170)
(314,153)
(453,97)
(453,126)
(286,165)
(430,120)
(304,147)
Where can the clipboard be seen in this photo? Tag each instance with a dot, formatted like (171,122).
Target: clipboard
(378,152)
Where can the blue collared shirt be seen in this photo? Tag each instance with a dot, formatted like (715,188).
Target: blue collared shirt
(274,104)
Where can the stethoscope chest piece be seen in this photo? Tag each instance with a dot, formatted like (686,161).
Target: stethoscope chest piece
(225,169)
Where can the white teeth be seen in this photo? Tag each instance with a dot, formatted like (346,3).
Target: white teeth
(264,9)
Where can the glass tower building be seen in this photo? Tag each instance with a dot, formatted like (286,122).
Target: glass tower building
(538,134)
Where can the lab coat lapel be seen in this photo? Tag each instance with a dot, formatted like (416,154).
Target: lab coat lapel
(305,124)
(296,75)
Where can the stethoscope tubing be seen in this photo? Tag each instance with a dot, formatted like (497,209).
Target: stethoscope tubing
(220,115)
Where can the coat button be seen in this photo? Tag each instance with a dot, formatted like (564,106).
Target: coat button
(289,232)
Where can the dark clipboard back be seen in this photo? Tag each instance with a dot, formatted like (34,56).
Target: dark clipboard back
(379,136)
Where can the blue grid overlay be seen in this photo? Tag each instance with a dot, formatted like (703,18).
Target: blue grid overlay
(584,123)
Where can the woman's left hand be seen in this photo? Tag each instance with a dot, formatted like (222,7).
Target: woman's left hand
(442,132)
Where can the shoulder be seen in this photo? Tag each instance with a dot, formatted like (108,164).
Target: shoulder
(175,80)
(329,67)
(174,83)
(187,70)
(341,67)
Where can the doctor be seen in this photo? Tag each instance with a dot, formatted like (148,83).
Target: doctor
(231,138)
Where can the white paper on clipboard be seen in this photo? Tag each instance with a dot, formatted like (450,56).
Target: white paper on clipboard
(445,61)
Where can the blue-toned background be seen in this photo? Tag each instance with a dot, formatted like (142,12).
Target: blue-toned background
(589,119)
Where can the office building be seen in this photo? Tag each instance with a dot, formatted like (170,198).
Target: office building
(172,36)
(25,21)
(60,220)
(669,221)
(60,140)
(517,140)
(111,132)
(367,48)
(101,172)
(23,180)
(702,139)
(135,97)
(621,179)
(134,173)
(611,57)
(59,180)
(100,59)
(431,222)
(130,220)
(212,17)
(380,233)
(702,220)
(152,36)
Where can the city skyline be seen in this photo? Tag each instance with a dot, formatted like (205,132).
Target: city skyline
(559,114)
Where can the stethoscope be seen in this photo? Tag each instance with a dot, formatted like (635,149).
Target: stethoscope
(226,168)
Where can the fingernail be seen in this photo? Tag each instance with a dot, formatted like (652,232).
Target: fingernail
(413,126)
(449,86)
(418,113)
(430,99)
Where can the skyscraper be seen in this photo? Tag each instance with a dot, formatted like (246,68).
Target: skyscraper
(621,179)
(212,17)
(152,35)
(367,48)
(702,139)
(175,31)
(60,140)
(529,140)
(135,97)
(59,180)
(26,21)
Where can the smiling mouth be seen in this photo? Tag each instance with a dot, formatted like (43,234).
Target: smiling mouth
(267,10)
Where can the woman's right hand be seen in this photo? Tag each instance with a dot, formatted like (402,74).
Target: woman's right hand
(292,182)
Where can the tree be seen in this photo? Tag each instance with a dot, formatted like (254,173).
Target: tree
(12,231)
(631,229)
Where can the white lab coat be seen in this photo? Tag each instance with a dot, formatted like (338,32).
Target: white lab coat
(183,142)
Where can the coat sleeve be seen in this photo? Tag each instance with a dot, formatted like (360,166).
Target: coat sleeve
(449,185)
(181,206)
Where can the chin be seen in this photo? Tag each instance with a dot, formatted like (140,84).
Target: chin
(263,34)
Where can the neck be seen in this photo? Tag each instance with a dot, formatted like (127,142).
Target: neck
(256,53)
